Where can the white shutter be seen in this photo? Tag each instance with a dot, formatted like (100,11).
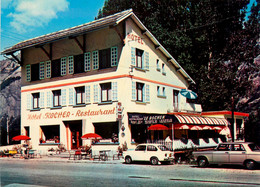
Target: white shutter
(63,97)
(42,70)
(146,57)
(49,99)
(87,58)
(114,91)
(133,56)
(114,56)
(48,69)
(29,101)
(71,96)
(71,64)
(147,93)
(133,90)
(95,60)
(87,94)
(63,66)
(42,99)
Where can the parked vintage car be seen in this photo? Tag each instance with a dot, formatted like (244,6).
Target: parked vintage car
(237,153)
(153,153)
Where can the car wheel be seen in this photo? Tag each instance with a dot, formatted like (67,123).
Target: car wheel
(203,162)
(128,160)
(154,161)
(250,164)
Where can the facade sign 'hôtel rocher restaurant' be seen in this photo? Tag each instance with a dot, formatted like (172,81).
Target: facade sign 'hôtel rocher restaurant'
(113,78)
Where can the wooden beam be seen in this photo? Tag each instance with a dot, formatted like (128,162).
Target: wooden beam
(12,54)
(119,34)
(79,44)
(46,52)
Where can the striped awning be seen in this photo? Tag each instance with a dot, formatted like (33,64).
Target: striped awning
(198,120)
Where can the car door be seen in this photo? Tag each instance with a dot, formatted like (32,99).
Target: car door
(221,155)
(140,153)
(237,155)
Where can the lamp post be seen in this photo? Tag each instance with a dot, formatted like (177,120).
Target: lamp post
(233,120)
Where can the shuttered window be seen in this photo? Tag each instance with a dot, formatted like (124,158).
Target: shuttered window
(114,56)
(87,90)
(87,58)
(95,59)
(71,64)
(48,69)
(114,91)
(28,72)
(63,66)
(42,70)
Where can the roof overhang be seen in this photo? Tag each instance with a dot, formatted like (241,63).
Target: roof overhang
(161,48)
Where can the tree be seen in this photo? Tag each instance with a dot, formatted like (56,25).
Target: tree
(213,40)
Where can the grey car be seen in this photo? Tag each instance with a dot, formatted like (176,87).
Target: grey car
(235,153)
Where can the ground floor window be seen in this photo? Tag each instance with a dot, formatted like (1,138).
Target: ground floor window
(50,134)
(108,130)
(139,133)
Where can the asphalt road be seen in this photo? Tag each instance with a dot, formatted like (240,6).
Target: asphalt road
(35,173)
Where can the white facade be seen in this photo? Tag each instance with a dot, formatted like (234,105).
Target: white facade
(141,78)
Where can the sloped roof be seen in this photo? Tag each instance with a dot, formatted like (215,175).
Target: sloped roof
(74,31)
(92,26)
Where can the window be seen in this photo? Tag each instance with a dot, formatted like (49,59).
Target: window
(106,92)
(163,69)
(79,66)
(151,148)
(139,58)
(223,147)
(140,148)
(158,65)
(139,91)
(158,90)
(104,58)
(80,95)
(50,134)
(35,69)
(163,91)
(57,98)
(36,100)
(56,68)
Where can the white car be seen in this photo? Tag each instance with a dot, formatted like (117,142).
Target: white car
(153,153)
(238,153)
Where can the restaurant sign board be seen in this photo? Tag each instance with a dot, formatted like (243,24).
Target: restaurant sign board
(149,119)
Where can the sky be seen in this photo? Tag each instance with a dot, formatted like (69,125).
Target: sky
(26,19)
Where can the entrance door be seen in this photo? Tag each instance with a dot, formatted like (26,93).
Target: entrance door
(76,133)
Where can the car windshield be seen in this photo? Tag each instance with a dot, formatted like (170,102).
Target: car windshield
(163,148)
(254,147)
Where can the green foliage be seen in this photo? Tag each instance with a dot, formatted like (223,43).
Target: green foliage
(211,39)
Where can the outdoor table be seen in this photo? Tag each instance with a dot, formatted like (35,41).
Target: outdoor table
(104,154)
(85,154)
